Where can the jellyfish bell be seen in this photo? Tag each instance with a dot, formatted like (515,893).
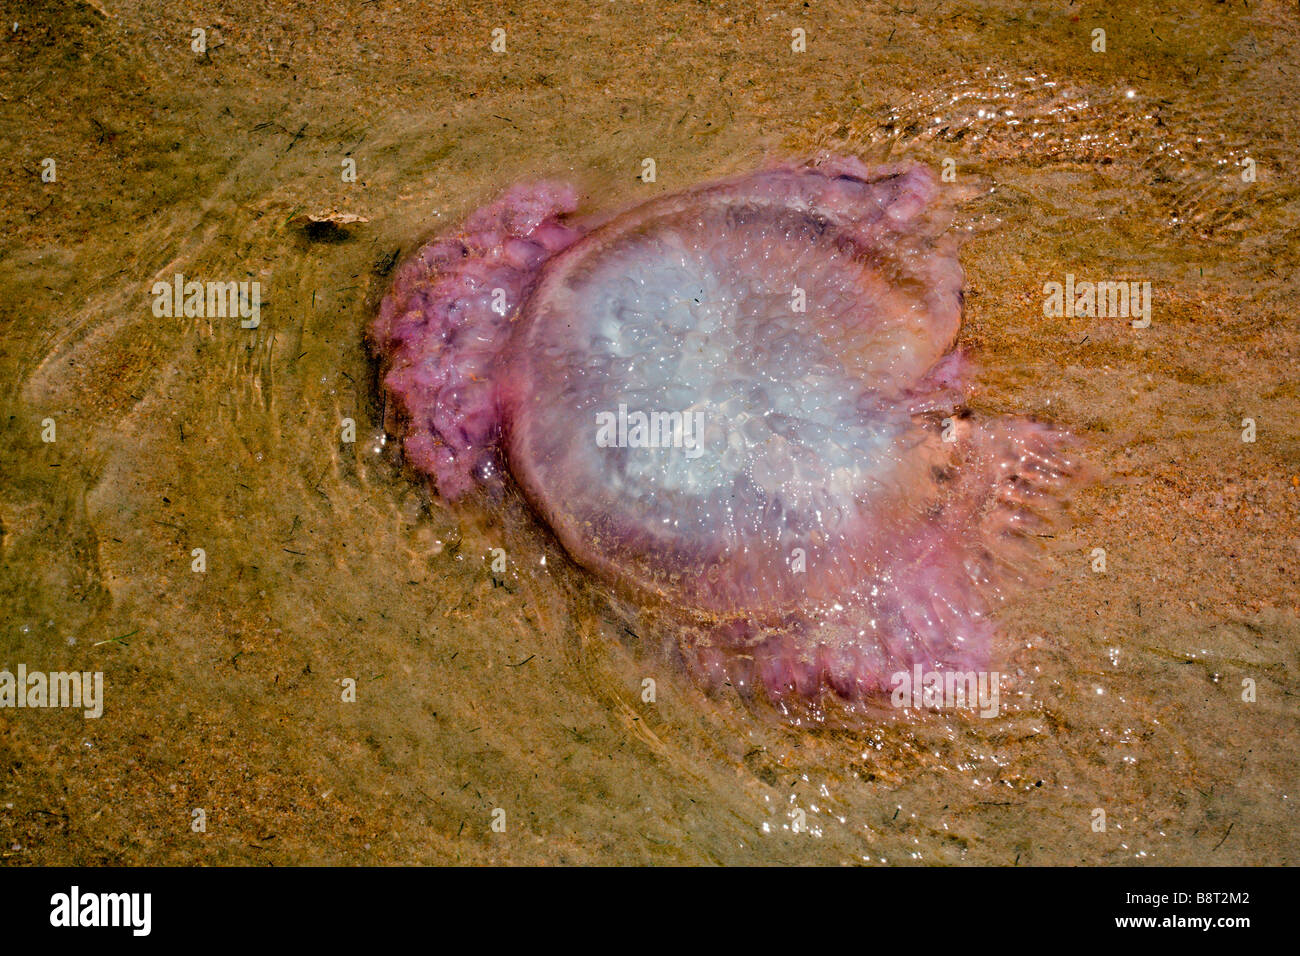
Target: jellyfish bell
(740,403)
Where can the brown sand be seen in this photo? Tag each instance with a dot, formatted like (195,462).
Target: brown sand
(477,693)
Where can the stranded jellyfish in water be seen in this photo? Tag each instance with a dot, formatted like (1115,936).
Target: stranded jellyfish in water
(740,407)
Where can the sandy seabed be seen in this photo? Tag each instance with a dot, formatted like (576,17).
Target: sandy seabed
(480,691)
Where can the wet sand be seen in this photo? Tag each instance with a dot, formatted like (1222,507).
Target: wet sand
(479,691)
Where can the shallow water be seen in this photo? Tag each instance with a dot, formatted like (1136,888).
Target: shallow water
(479,691)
